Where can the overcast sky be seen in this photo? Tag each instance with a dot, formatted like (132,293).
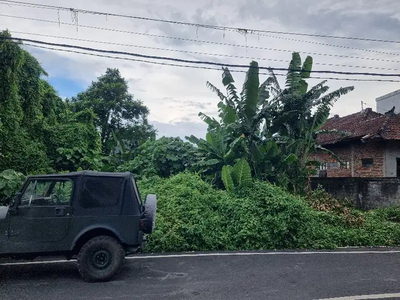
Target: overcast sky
(175,95)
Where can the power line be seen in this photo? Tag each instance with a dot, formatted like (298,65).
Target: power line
(197,25)
(198,53)
(199,67)
(202,41)
(291,39)
(332,45)
(192,61)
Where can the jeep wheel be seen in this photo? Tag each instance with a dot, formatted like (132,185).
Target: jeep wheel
(100,258)
(149,214)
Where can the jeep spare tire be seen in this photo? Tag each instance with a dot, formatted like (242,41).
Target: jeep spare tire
(149,214)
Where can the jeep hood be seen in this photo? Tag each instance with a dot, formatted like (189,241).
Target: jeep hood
(3,213)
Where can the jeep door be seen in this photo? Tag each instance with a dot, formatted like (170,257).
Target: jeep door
(43,214)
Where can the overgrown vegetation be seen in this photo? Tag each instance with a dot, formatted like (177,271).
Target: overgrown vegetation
(39,132)
(244,186)
(163,157)
(193,215)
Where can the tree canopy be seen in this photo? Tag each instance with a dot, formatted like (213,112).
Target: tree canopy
(118,113)
(39,132)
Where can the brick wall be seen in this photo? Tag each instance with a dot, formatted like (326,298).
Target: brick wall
(352,154)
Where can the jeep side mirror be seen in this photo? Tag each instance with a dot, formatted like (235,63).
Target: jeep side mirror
(13,208)
(17,199)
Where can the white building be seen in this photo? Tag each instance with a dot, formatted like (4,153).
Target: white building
(386,102)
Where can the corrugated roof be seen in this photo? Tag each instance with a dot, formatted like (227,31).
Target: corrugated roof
(364,125)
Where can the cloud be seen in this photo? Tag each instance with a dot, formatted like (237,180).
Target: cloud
(180,129)
(175,95)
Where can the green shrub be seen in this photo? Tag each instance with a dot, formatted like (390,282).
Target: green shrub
(188,217)
(389,214)
(162,157)
(266,217)
(193,216)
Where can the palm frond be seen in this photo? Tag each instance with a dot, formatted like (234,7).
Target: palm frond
(317,88)
(208,162)
(227,113)
(228,82)
(294,73)
(303,87)
(193,139)
(263,94)
(307,67)
(232,149)
(290,159)
(211,122)
(272,81)
(250,91)
(323,149)
(242,173)
(335,95)
(226,177)
(217,91)
(320,117)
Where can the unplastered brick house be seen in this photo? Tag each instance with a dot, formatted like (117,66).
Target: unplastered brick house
(371,147)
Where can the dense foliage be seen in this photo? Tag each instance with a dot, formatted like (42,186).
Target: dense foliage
(193,215)
(162,157)
(10,183)
(39,132)
(117,113)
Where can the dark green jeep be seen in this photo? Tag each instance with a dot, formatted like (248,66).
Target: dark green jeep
(94,216)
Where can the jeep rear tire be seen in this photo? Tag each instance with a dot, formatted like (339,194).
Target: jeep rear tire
(100,258)
(149,214)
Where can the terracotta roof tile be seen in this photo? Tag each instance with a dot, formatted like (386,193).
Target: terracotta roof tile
(362,125)
(392,128)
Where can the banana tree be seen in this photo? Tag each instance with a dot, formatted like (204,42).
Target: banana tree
(273,128)
(300,112)
(299,115)
(238,132)
(217,150)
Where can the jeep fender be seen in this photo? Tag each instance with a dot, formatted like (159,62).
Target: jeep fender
(103,230)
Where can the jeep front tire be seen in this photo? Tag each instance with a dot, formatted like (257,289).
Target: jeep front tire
(100,258)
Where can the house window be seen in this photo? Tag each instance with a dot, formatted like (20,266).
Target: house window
(333,165)
(367,162)
(346,165)
(322,166)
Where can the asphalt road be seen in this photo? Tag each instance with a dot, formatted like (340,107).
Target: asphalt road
(267,275)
